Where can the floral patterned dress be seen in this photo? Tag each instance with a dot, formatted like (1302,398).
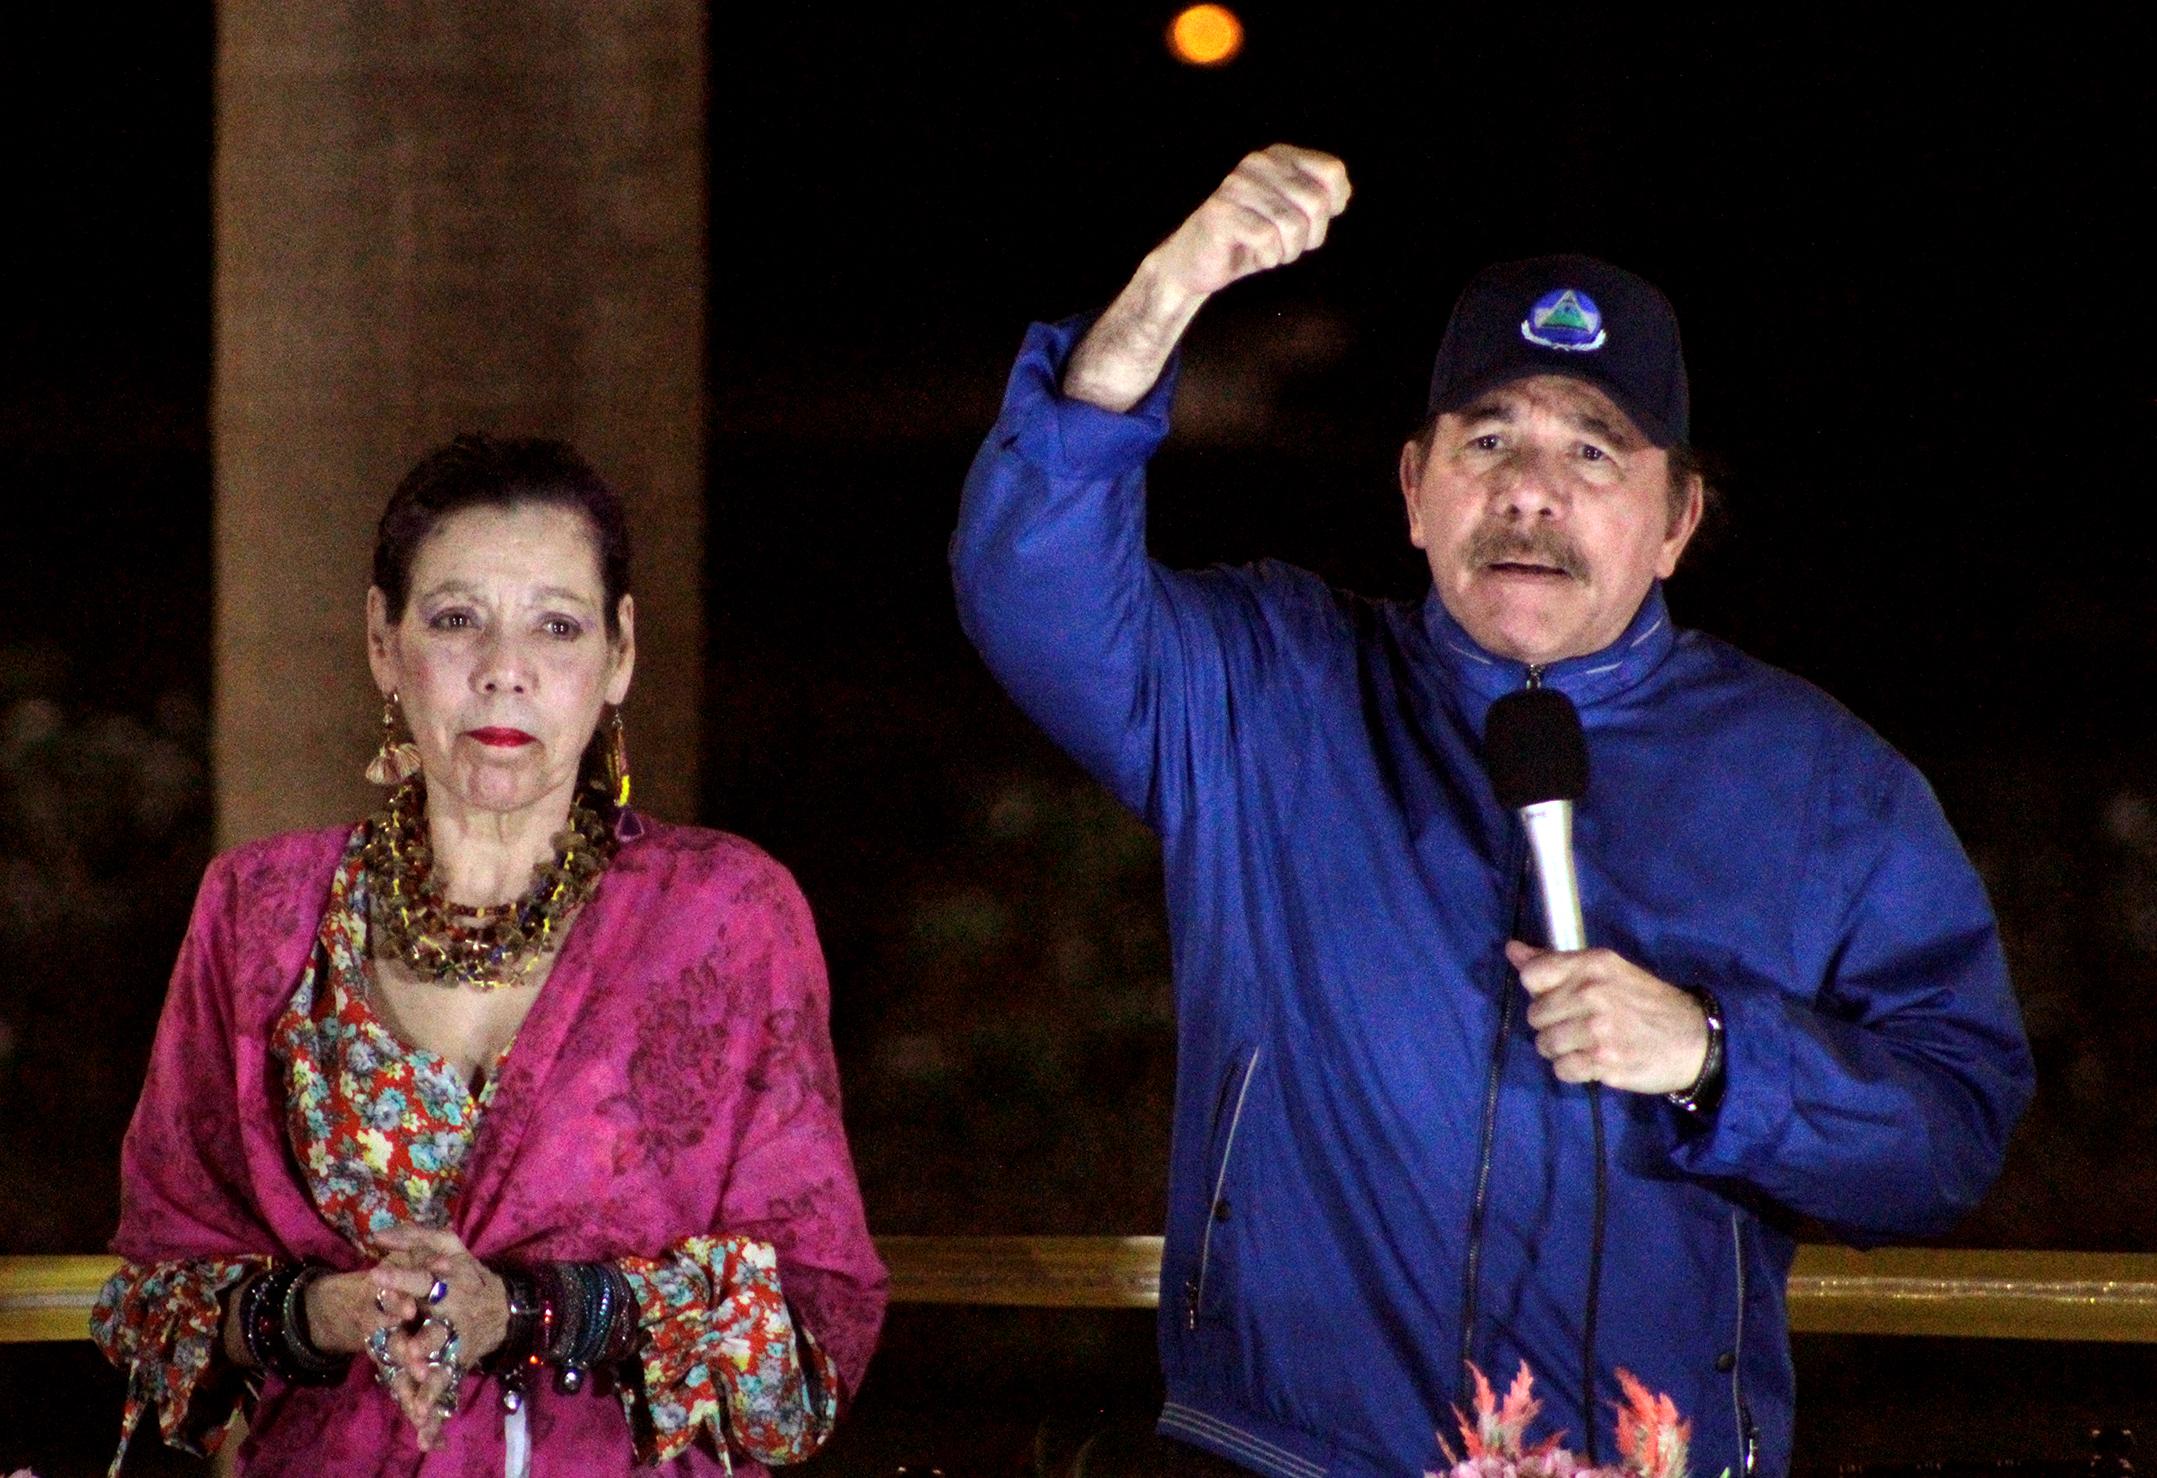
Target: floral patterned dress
(381,1131)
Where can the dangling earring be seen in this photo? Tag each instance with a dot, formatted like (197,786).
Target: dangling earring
(397,760)
(614,758)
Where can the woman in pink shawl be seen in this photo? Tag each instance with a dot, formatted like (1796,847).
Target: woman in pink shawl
(503,1129)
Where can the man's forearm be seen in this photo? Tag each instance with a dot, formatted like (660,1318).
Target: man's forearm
(1272,208)
(1122,356)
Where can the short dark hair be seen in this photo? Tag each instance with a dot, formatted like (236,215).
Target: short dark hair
(481,471)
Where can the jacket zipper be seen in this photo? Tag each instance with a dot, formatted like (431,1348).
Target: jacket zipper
(1194,1291)
(1482,1186)
(1471,1293)
(1748,1434)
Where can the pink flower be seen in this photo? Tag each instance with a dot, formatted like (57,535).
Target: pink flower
(1652,1438)
(1499,1430)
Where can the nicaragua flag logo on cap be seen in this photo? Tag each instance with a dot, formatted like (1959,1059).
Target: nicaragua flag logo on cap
(1565,318)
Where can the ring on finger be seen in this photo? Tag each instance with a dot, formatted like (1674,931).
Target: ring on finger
(437,1291)
(385,1369)
(449,1353)
(381,1301)
(446,1357)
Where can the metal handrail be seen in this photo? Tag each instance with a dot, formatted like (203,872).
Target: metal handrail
(2104,1297)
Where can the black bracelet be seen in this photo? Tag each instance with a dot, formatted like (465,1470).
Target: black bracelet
(622,1333)
(578,1354)
(264,1331)
(595,1320)
(524,1343)
(257,1333)
(599,1298)
(520,1342)
(273,1326)
(532,1313)
(563,1318)
(1707,1089)
(574,1316)
(310,1363)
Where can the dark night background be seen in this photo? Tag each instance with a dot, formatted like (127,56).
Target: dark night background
(1912,266)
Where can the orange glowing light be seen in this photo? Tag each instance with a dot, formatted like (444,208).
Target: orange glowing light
(1206,35)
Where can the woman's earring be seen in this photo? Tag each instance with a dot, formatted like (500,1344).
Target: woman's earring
(615,756)
(397,760)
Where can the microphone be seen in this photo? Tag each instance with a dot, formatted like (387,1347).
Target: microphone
(1538,763)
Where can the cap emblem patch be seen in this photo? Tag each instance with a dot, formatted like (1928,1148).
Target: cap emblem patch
(1566,318)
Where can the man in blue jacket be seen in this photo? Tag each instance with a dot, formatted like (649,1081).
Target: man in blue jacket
(1386,1163)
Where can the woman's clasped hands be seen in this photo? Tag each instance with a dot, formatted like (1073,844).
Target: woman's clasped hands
(426,1315)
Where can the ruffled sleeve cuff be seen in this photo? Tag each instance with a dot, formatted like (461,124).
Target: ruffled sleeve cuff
(162,1323)
(721,1352)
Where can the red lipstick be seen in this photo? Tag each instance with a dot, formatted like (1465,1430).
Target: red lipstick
(500,738)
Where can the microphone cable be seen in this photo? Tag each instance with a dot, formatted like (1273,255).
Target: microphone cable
(1595,1276)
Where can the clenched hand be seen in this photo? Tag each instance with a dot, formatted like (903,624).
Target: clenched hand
(1599,1018)
(1272,208)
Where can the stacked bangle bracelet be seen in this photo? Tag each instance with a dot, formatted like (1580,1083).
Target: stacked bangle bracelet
(574,1316)
(273,1326)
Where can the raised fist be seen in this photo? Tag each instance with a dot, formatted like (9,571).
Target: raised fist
(1272,208)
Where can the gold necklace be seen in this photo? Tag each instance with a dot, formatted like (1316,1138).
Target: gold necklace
(454,945)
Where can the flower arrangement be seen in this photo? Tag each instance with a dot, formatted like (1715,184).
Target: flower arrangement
(1652,1437)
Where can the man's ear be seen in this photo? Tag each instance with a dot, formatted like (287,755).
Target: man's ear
(1412,458)
(1684,523)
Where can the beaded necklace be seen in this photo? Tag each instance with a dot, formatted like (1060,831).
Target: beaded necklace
(487,948)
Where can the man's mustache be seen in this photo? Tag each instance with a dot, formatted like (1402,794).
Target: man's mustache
(1534,545)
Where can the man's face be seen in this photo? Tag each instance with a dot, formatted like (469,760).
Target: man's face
(1546,516)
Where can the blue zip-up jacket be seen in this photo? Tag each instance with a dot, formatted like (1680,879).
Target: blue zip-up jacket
(1373,1173)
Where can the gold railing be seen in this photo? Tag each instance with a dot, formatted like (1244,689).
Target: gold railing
(2108,1297)
(49,1297)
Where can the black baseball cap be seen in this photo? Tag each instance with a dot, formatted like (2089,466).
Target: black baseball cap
(1568,315)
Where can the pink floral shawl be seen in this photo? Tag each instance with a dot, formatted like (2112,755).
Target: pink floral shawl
(675,1077)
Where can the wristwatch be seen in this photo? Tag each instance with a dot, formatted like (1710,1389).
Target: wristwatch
(1707,1090)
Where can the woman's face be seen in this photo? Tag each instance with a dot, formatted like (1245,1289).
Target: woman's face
(501,660)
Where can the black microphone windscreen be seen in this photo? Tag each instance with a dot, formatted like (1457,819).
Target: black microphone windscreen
(1534,750)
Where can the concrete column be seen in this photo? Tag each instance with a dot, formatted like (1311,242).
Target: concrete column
(434,216)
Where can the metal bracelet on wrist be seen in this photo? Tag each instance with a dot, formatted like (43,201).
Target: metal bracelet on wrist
(600,1323)
(622,1333)
(1706,1089)
(574,1361)
(273,1326)
(314,1364)
(520,1339)
(256,1328)
(524,1341)
(604,1308)
(574,1316)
